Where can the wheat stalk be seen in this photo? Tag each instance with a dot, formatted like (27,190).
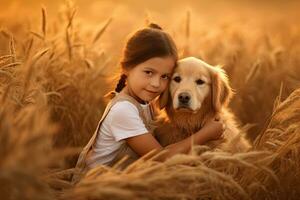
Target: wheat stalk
(37,35)
(102,30)
(44,22)
(12,49)
(5,57)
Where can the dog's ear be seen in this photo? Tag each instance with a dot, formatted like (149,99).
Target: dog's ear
(163,99)
(220,90)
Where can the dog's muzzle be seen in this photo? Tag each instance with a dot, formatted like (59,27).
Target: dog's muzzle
(184,99)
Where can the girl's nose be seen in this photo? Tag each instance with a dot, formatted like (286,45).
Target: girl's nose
(155,82)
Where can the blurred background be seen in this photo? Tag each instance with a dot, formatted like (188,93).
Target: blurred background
(131,14)
(59,58)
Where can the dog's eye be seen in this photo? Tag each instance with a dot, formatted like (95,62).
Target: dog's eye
(177,79)
(200,82)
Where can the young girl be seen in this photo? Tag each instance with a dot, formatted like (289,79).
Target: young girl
(149,58)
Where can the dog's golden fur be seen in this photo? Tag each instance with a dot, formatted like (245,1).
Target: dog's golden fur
(209,93)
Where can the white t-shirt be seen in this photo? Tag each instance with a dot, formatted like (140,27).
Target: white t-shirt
(122,121)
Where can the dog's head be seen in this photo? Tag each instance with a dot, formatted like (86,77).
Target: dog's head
(193,82)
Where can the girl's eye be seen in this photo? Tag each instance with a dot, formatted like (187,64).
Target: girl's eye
(166,77)
(200,82)
(148,72)
(177,79)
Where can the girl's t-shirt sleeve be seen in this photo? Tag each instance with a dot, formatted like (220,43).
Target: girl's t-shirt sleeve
(125,121)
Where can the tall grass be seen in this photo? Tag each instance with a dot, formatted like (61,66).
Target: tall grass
(53,76)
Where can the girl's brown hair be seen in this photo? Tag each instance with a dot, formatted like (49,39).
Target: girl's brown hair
(144,44)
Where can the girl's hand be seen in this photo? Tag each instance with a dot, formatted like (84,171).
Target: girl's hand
(214,128)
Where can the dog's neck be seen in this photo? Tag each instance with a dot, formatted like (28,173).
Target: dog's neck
(187,122)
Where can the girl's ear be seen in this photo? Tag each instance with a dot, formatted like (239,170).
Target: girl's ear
(221,92)
(163,99)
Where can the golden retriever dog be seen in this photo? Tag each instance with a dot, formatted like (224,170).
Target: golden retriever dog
(198,92)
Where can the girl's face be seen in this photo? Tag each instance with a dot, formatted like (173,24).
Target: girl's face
(149,79)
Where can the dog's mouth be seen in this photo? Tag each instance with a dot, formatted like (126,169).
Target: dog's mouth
(183,108)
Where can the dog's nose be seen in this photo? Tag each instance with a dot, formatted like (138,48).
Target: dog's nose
(184,98)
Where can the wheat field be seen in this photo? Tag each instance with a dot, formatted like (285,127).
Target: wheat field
(58,59)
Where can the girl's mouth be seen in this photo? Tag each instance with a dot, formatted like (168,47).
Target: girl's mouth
(151,92)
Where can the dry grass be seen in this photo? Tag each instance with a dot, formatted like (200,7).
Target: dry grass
(52,79)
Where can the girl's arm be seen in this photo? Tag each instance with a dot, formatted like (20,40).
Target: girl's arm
(143,144)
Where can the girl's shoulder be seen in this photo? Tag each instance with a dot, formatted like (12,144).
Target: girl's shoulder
(123,107)
(124,115)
